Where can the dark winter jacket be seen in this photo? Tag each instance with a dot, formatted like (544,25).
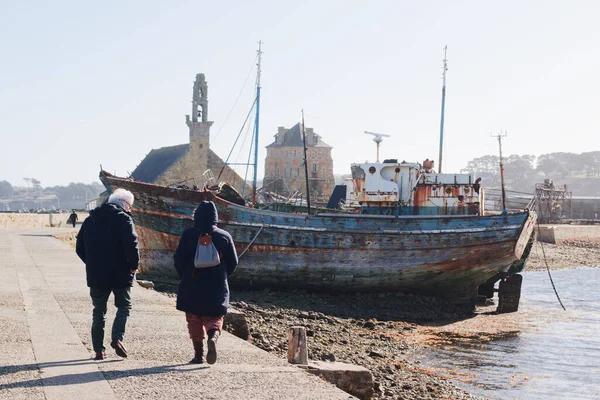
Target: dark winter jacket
(204,291)
(108,245)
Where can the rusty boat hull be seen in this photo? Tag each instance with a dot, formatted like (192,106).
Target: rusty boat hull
(443,256)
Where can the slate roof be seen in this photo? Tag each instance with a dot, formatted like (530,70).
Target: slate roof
(293,138)
(157,161)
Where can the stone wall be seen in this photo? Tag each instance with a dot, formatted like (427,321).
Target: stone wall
(287,163)
(188,168)
(557,234)
(215,163)
(191,166)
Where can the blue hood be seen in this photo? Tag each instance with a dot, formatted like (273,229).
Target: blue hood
(205,216)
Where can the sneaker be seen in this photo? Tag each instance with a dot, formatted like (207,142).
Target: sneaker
(211,355)
(100,355)
(119,348)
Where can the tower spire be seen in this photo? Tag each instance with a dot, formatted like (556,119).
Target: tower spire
(198,123)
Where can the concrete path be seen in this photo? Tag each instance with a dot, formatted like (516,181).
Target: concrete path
(45,343)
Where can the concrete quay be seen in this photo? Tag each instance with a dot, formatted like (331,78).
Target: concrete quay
(45,342)
(559,233)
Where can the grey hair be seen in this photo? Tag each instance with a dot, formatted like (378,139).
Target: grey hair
(121,196)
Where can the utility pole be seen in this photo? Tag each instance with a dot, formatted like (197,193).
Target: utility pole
(500,136)
(445,68)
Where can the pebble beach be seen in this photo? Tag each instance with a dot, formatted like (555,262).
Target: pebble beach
(387,332)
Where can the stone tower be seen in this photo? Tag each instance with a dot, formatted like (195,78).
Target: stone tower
(198,124)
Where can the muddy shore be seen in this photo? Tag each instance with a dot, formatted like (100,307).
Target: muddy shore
(387,332)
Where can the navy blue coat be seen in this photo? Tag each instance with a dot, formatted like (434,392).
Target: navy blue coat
(204,291)
(108,245)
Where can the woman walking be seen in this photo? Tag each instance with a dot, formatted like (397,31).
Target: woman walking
(204,291)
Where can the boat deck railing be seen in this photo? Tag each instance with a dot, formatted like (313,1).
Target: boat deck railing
(515,200)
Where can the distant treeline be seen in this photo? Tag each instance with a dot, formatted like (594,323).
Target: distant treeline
(580,172)
(34,195)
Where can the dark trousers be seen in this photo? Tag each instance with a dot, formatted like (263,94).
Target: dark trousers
(99,300)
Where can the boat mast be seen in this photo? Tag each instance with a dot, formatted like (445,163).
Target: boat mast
(305,165)
(256,122)
(500,136)
(445,68)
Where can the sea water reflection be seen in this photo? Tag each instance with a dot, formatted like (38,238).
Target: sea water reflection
(556,356)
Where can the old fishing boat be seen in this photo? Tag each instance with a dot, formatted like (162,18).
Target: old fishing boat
(418,232)
(411,229)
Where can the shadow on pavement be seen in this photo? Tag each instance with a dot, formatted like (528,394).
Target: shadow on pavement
(86,377)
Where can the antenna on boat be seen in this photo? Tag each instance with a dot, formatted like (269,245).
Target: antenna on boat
(500,136)
(377,139)
(445,68)
(256,121)
(305,165)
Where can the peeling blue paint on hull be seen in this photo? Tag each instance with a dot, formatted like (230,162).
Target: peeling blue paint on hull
(444,256)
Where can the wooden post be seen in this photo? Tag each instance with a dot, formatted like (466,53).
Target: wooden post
(509,294)
(297,350)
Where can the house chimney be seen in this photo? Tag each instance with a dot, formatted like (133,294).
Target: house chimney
(280,134)
(310,137)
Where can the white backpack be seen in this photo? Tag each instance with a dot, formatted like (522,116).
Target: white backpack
(207,254)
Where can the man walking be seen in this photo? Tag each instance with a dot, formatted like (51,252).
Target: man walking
(107,243)
(73,218)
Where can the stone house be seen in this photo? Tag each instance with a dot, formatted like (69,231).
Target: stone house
(284,163)
(186,164)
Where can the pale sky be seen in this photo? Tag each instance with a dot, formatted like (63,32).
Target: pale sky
(90,83)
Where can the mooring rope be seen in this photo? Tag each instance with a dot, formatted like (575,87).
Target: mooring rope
(548,268)
(252,241)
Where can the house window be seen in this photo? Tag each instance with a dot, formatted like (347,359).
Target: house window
(316,139)
(277,173)
(314,168)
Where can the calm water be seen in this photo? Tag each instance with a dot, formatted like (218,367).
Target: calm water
(557,356)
